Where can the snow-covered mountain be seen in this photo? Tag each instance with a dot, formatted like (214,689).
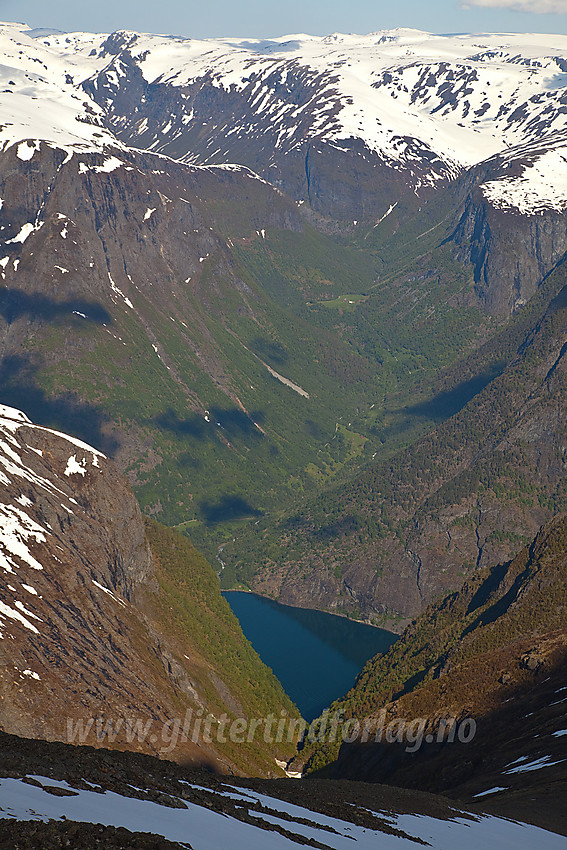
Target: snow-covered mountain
(405,110)
(422,105)
(39,101)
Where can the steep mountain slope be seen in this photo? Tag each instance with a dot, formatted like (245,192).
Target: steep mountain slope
(108,634)
(495,651)
(111,263)
(349,124)
(358,127)
(187,319)
(54,795)
(511,224)
(467,495)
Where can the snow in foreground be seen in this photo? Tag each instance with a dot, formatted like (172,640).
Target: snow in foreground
(207,829)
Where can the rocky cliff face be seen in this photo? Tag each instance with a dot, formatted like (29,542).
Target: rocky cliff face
(511,225)
(82,642)
(493,654)
(74,553)
(346,124)
(345,181)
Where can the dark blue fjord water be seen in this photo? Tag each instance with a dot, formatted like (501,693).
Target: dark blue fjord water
(316,656)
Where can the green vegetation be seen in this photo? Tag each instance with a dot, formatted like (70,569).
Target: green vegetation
(345,302)
(521,601)
(467,459)
(227,671)
(209,438)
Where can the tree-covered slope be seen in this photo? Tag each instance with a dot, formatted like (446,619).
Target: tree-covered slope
(190,613)
(414,524)
(497,640)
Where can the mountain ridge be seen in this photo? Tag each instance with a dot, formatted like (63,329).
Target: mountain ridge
(494,651)
(89,596)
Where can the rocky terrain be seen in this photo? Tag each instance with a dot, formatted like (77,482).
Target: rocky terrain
(495,653)
(52,794)
(93,645)
(510,225)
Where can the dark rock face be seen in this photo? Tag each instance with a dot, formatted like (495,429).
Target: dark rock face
(74,556)
(511,253)
(84,653)
(206,124)
(100,203)
(492,656)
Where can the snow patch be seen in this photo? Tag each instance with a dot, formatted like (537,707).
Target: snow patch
(16,529)
(31,674)
(74,467)
(119,292)
(25,231)
(494,790)
(207,829)
(10,613)
(109,593)
(110,164)
(541,186)
(26,150)
(524,765)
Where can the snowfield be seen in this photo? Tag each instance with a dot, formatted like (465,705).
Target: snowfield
(541,184)
(206,829)
(39,99)
(428,105)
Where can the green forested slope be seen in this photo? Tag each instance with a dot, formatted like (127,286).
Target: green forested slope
(468,494)
(466,654)
(191,613)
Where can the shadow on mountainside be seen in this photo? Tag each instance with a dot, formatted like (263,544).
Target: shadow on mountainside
(449,402)
(270,350)
(523,730)
(14,304)
(233,421)
(65,412)
(228,508)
